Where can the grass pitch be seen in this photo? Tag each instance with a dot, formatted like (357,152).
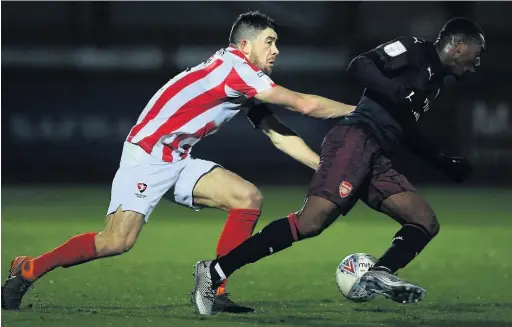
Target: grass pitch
(466,269)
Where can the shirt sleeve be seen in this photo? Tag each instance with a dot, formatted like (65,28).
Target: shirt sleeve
(247,80)
(394,55)
(374,68)
(257,112)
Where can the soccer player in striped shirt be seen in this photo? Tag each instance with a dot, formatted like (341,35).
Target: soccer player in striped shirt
(156,158)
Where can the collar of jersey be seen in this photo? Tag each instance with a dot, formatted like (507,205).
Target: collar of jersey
(438,64)
(237,53)
(241,55)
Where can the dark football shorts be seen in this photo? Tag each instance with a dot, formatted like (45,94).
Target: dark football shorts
(352,167)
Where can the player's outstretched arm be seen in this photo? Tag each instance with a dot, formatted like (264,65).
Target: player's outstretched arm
(283,137)
(307,104)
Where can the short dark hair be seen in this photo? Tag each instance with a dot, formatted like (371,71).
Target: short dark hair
(248,23)
(461,29)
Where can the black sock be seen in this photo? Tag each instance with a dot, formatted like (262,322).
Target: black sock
(276,236)
(407,244)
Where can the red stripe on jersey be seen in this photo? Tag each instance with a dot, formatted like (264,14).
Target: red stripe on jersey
(170,92)
(167,154)
(175,144)
(186,113)
(236,82)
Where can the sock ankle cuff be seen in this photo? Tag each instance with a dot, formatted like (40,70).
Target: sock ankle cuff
(91,237)
(294,226)
(255,213)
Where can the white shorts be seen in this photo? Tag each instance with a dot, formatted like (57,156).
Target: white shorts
(142,180)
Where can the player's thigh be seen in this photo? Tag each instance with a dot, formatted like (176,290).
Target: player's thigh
(345,163)
(223,189)
(392,194)
(140,182)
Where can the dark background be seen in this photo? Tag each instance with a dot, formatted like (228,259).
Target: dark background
(76,75)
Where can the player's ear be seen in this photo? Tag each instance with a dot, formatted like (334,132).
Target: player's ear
(459,47)
(245,46)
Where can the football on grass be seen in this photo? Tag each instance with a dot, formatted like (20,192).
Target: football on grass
(349,272)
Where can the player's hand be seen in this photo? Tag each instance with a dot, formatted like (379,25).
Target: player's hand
(457,169)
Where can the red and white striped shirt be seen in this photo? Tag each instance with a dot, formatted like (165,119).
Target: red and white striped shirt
(196,103)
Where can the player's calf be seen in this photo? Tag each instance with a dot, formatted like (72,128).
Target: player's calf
(407,243)
(419,227)
(223,189)
(118,237)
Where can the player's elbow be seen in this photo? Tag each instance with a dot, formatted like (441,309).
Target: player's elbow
(309,105)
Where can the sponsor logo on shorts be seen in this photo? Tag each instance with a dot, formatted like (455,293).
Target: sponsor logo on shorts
(345,189)
(142,187)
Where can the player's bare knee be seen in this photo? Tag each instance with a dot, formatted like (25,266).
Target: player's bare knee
(248,197)
(310,226)
(433,226)
(429,223)
(120,234)
(121,245)
(311,229)
(114,244)
(256,199)
(316,215)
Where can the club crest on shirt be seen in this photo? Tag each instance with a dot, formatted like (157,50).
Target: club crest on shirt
(142,187)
